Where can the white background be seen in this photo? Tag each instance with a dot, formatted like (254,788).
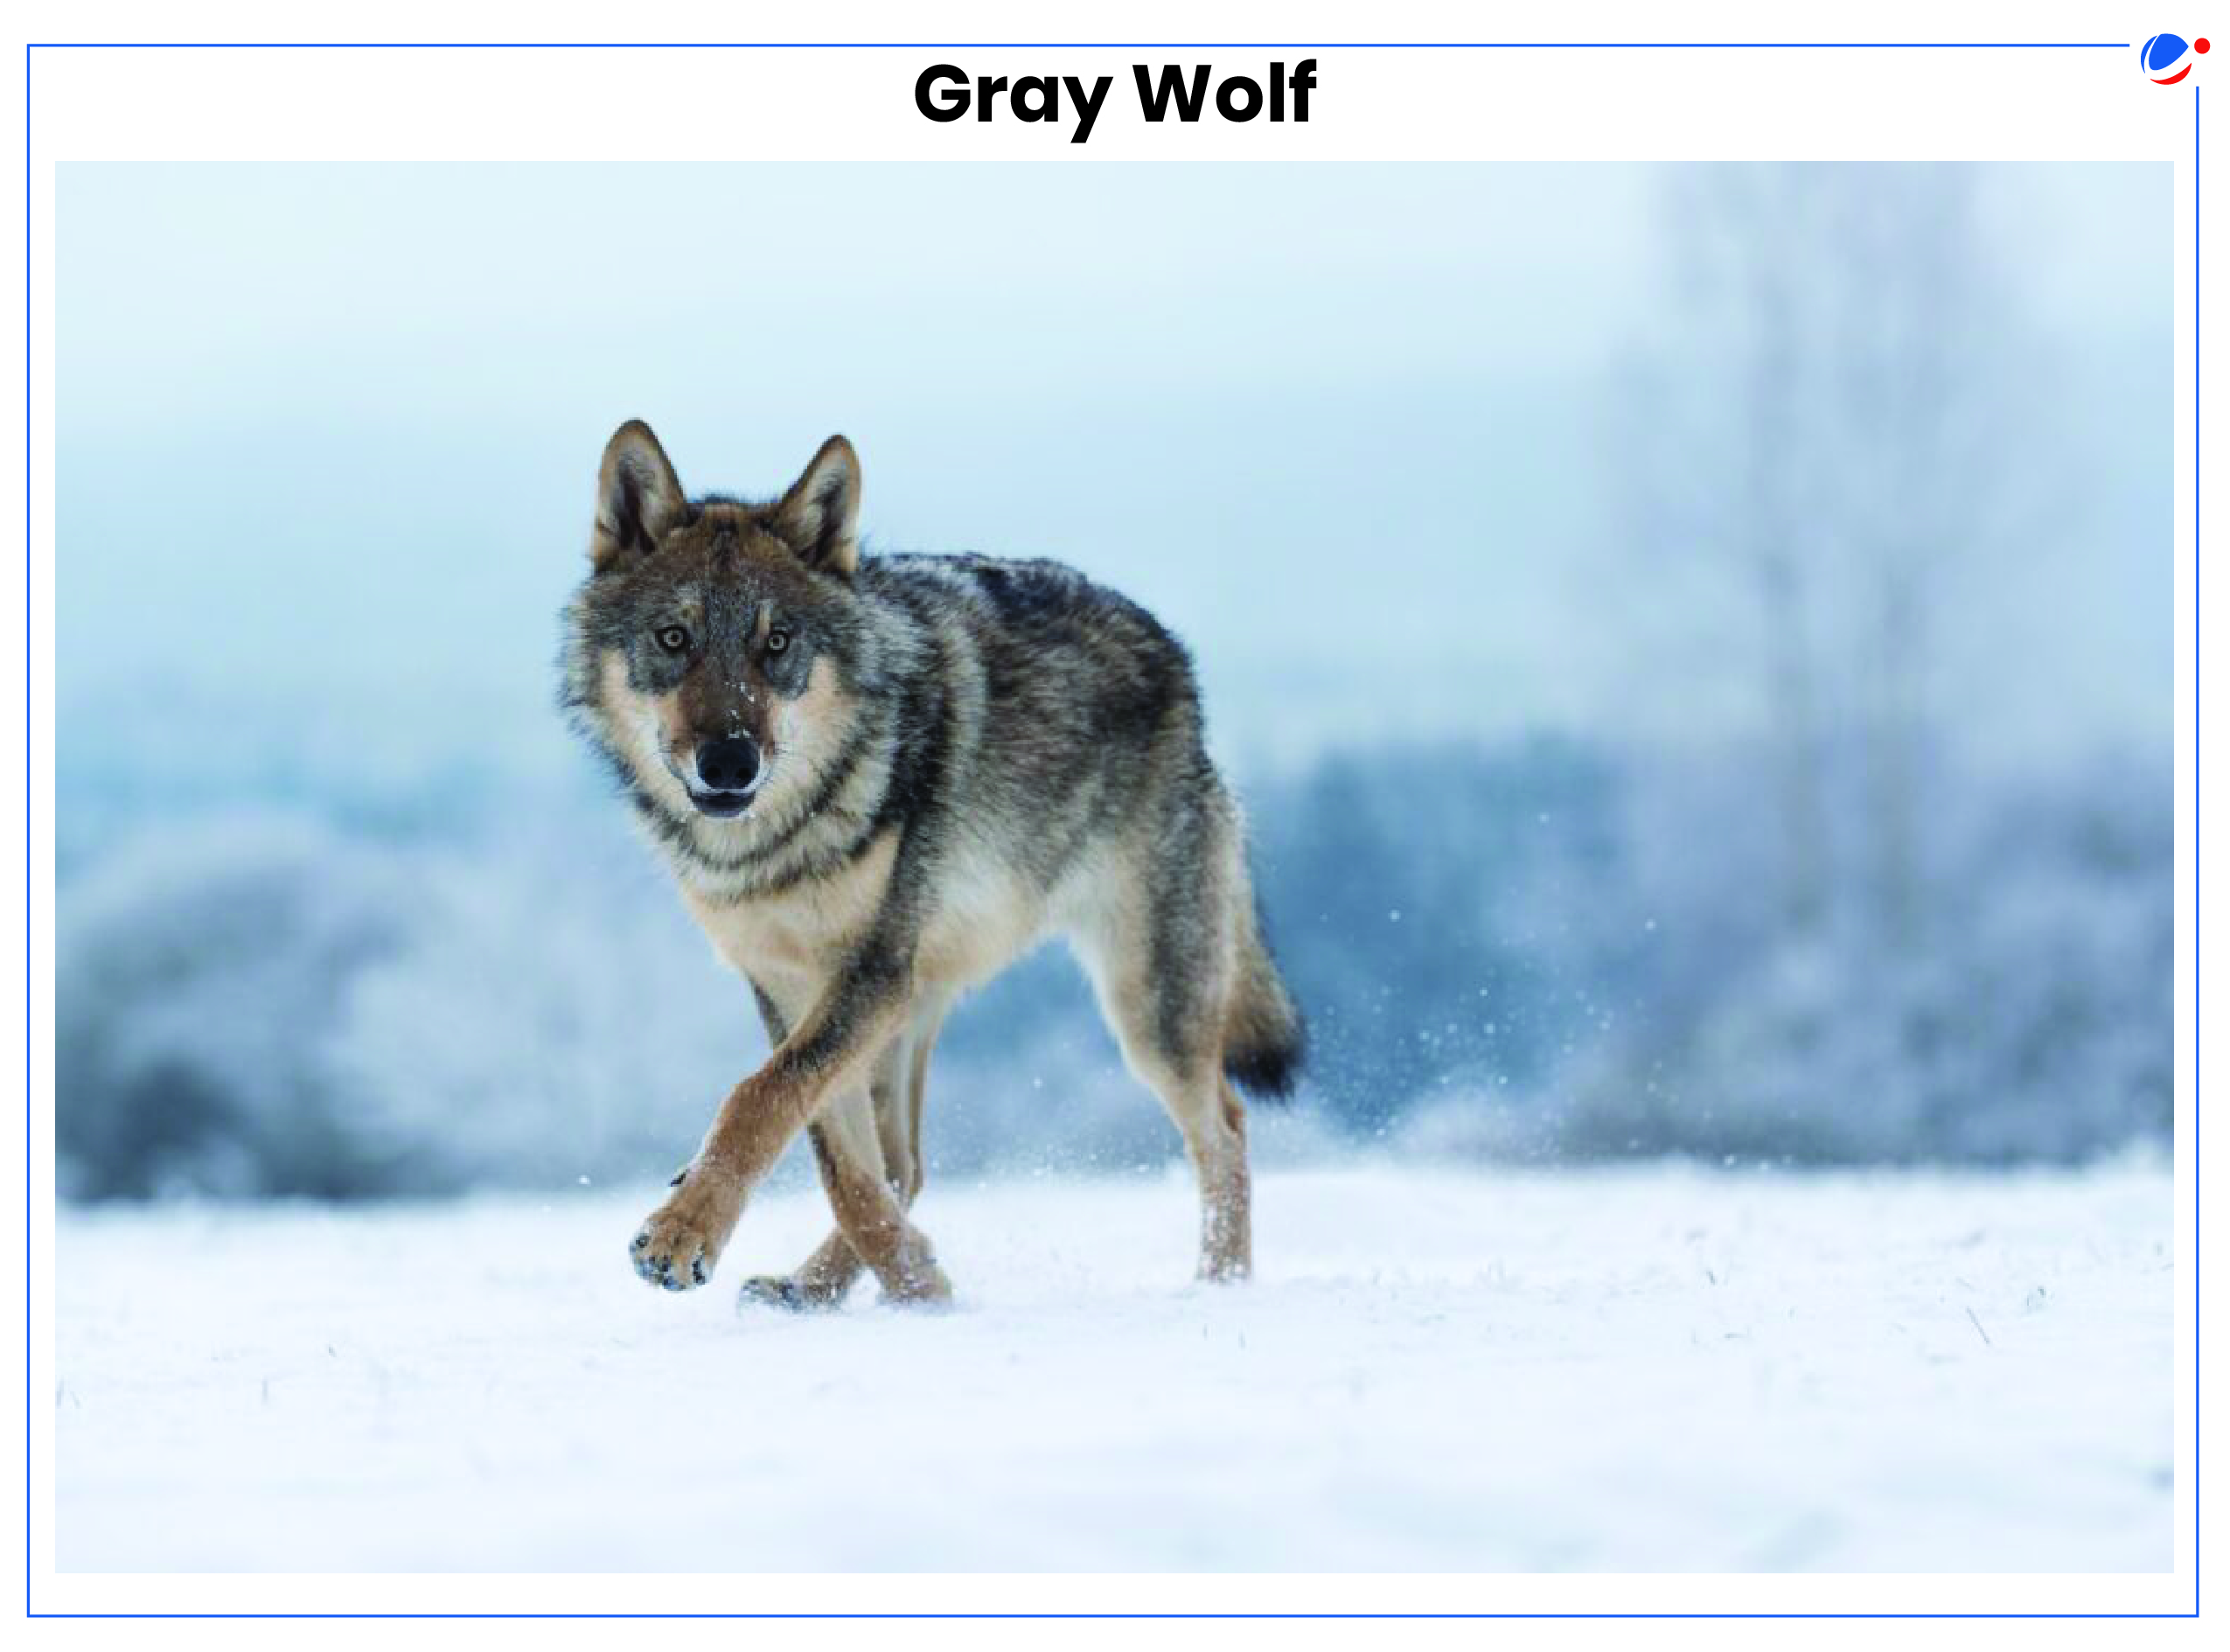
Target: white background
(793,105)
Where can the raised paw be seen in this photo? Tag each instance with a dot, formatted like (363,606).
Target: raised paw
(680,1244)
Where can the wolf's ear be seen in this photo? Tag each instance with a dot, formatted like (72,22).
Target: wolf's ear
(821,514)
(639,496)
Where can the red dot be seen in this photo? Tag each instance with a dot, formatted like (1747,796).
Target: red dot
(2199,45)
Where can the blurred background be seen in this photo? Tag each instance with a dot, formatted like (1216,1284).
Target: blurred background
(1696,642)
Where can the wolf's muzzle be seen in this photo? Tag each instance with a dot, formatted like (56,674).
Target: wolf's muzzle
(727,772)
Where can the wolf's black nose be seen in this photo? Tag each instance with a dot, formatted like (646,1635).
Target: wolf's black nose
(728,765)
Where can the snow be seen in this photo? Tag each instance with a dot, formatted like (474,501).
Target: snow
(1634,1369)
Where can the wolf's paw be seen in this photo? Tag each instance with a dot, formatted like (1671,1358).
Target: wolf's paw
(778,1291)
(680,1244)
(925,1289)
(912,1279)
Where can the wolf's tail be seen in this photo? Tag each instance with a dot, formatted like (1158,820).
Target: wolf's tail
(1263,1038)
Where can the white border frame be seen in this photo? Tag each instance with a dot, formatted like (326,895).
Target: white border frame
(668,104)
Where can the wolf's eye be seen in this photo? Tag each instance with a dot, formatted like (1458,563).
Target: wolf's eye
(778,639)
(672,638)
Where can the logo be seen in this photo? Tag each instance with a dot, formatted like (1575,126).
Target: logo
(2167,59)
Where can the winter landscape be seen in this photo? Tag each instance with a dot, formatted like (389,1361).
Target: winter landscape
(1619,1369)
(1694,646)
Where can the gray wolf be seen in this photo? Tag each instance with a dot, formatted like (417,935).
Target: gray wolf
(877,781)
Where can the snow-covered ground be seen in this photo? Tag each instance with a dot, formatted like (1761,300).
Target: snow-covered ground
(1628,1369)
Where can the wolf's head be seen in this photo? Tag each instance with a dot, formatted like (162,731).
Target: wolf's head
(714,652)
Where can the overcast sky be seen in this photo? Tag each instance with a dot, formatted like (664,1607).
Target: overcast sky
(328,433)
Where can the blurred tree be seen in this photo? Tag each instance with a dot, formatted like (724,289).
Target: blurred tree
(1822,421)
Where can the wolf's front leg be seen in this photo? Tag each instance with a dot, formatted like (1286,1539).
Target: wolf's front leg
(680,1244)
(869,1212)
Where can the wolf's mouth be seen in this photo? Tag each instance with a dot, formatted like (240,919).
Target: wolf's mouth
(723,805)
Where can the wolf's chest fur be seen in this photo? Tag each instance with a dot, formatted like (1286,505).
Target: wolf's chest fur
(802,932)
(981,913)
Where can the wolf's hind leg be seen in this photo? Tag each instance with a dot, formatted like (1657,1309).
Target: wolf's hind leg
(900,1084)
(1160,958)
(1209,1115)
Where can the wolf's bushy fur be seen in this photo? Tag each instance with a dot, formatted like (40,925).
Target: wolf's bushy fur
(959,755)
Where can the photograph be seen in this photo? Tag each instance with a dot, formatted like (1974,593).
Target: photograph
(826,867)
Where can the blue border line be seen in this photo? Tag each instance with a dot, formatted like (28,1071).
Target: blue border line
(1079,46)
(27,832)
